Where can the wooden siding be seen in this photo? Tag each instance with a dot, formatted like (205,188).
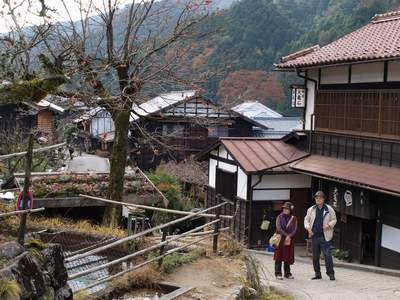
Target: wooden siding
(238,208)
(375,151)
(370,113)
(45,122)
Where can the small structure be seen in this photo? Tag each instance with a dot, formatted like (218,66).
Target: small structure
(254,175)
(267,123)
(42,115)
(99,126)
(352,130)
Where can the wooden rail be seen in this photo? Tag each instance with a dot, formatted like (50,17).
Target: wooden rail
(167,210)
(140,234)
(18,212)
(106,279)
(140,252)
(43,149)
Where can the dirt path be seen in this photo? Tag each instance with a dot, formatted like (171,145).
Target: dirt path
(213,278)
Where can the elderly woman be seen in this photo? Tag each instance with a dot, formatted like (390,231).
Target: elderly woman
(286,226)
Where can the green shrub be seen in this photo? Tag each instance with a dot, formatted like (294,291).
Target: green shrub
(9,289)
(171,189)
(4,261)
(36,244)
(341,254)
(171,262)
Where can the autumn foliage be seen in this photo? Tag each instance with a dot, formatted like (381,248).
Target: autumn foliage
(245,85)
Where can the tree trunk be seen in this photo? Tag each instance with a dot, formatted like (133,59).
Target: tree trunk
(112,213)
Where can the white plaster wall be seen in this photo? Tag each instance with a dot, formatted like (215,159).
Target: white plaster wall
(241,184)
(271,195)
(222,152)
(393,70)
(101,125)
(212,164)
(390,238)
(283,181)
(226,167)
(371,72)
(332,75)
(310,104)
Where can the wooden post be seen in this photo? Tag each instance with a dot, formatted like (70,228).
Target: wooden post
(28,166)
(162,248)
(216,225)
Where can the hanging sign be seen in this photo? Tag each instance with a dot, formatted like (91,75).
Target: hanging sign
(298,96)
(20,201)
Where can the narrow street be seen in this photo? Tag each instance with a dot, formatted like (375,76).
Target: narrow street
(349,284)
(88,163)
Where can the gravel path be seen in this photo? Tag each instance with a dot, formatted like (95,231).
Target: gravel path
(349,284)
(87,163)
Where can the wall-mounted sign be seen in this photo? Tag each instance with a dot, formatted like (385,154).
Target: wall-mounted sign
(351,201)
(298,95)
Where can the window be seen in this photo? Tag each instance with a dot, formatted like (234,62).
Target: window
(375,113)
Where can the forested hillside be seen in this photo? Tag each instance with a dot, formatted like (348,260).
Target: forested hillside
(256,33)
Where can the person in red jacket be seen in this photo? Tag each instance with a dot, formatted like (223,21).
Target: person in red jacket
(286,226)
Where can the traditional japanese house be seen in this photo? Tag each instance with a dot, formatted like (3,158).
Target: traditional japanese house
(253,174)
(178,124)
(352,124)
(42,116)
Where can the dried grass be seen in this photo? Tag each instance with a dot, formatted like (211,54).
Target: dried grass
(9,289)
(229,246)
(79,226)
(145,277)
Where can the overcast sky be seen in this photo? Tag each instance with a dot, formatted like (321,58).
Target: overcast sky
(28,14)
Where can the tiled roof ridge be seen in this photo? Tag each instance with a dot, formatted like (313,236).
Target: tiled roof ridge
(299,53)
(385,17)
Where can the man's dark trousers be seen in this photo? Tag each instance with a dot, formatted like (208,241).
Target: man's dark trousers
(320,244)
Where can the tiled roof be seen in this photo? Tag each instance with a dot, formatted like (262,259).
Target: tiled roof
(378,40)
(351,172)
(257,155)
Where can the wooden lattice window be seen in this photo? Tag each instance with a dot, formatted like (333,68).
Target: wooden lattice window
(375,113)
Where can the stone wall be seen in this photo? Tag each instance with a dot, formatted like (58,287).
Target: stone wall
(39,272)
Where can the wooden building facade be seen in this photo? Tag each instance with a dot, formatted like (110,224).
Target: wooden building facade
(352,122)
(179,124)
(253,175)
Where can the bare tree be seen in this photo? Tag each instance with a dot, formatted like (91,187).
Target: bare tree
(119,53)
(20,76)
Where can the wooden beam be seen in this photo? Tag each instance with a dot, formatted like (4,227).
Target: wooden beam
(166,201)
(43,149)
(105,279)
(18,212)
(137,253)
(166,210)
(140,234)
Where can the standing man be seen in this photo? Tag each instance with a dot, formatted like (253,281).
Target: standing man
(319,222)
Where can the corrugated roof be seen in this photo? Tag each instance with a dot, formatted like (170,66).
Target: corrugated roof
(257,155)
(379,39)
(351,172)
(255,109)
(159,103)
(284,124)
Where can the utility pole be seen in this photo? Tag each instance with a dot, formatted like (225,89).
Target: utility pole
(27,181)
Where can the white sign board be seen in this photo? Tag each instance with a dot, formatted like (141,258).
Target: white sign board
(390,238)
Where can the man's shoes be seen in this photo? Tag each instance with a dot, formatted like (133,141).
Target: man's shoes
(279,277)
(316,277)
(332,277)
(289,276)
